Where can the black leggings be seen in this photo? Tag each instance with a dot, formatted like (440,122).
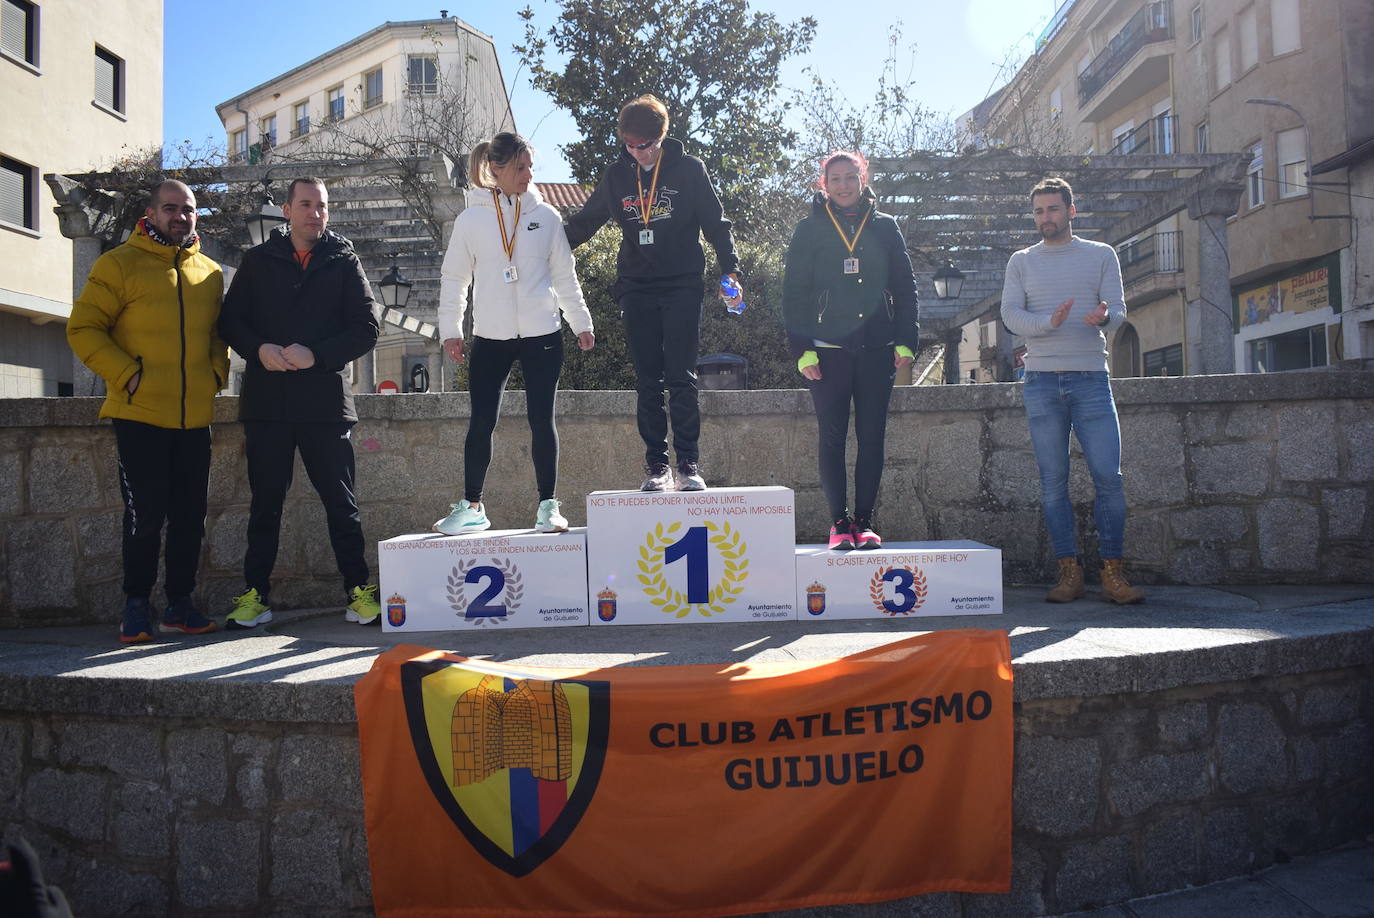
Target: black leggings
(489,364)
(865,379)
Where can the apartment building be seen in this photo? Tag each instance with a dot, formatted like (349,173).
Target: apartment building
(402,89)
(80,91)
(1266,78)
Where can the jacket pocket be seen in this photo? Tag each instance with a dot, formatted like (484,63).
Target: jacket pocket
(138,374)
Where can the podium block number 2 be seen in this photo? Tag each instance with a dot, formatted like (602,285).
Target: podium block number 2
(482,607)
(502,579)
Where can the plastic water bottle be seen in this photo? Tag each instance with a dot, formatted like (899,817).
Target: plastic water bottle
(729,289)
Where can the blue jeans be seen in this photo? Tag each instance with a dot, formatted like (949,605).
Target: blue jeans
(1082,402)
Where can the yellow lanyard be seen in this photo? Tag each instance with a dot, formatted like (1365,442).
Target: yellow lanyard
(849,243)
(507,241)
(646,209)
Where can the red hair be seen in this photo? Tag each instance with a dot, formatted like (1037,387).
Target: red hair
(856,158)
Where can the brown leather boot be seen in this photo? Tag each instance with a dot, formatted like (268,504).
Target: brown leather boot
(1114,585)
(1070,585)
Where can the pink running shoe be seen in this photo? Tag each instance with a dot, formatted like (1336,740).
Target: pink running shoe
(864,536)
(842,535)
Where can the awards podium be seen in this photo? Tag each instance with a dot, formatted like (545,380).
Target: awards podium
(499,579)
(723,554)
(674,557)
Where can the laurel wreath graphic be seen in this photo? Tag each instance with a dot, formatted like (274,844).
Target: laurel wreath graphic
(918,586)
(515,589)
(728,545)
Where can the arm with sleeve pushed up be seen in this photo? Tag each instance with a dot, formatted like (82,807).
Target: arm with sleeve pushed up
(1014,313)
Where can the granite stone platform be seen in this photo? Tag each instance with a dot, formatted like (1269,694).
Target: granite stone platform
(1207,734)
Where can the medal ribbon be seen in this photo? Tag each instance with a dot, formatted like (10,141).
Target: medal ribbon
(507,241)
(849,243)
(646,210)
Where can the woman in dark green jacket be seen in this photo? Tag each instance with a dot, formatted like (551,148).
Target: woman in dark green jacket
(849,305)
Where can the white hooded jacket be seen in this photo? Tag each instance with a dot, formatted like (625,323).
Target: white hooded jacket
(547,277)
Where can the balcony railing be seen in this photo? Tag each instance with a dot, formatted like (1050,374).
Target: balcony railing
(1152,22)
(1157,253)
(1158,135)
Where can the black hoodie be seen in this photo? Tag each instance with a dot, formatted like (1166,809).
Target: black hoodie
(685,207)
(328,307)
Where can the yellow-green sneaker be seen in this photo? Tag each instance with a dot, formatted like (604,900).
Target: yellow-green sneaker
(249,611)
(364,609)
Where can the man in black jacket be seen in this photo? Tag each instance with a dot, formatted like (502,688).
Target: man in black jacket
(298,310)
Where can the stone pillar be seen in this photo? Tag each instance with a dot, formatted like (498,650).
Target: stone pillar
(1216,342)
(952,338)
(366,371)
(84,218)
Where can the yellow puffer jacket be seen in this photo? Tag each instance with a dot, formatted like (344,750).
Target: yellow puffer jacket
(153,309)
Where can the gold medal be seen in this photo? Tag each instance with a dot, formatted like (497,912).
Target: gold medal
(851,264)
(646,206)
(509,275)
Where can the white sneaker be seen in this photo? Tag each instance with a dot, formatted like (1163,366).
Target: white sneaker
(548,519)
(464,517)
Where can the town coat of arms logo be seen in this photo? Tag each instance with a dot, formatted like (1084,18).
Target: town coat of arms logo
(514,762)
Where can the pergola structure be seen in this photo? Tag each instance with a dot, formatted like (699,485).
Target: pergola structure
(396,212)
(970,209)
(974,211)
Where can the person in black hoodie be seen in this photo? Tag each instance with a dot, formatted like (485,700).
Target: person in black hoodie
(849,308)
(663,201)
(298,310)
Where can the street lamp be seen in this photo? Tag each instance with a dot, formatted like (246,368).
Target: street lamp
(395,288)
(1307,144)
(949,281)
(261,224)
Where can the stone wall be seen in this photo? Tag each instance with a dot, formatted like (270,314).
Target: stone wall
(1230,479)
(160,797)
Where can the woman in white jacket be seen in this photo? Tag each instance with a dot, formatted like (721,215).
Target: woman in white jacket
(512,245)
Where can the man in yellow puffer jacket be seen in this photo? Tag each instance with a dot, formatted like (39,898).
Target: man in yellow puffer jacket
(146,322)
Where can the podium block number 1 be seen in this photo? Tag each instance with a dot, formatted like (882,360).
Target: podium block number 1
(660,550)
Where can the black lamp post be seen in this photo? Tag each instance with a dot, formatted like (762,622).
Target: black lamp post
(261,224)
(395,288)
(949,281)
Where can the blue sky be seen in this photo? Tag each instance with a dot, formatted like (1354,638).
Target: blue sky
(211,56)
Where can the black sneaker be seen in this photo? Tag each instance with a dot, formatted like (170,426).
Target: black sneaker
(137,627)
(660,478)
(689,478)
(182,615)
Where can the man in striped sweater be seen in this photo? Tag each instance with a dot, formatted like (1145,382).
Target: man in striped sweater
(1063,295)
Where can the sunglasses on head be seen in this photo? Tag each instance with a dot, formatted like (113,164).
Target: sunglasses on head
(640,146)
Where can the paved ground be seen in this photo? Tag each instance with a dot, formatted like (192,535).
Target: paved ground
(1221,629)
(1339,884)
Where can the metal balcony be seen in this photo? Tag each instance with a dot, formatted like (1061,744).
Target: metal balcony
(1157,253)
(1153,22)
(1158,135)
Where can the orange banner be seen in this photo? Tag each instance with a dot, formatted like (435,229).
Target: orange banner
(495,790)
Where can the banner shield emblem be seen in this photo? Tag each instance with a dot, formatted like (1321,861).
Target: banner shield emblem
(514,762)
